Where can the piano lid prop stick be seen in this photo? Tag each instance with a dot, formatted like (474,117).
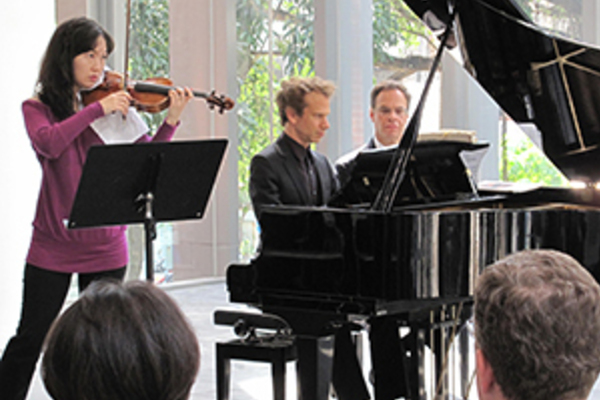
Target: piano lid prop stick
(397,168)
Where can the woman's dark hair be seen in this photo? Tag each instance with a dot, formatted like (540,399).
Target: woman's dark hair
(121,342)
(56,79)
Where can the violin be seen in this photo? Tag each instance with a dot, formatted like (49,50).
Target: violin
(150,95)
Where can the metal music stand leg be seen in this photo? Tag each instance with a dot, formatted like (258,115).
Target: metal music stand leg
(150,235)
(154,164)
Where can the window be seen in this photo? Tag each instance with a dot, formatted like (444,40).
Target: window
(275,39)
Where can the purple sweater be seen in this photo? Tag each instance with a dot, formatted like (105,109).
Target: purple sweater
(61,148)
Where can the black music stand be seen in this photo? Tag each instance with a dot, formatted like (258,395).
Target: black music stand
(146,183)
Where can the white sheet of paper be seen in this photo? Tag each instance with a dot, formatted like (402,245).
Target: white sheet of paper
(114,129)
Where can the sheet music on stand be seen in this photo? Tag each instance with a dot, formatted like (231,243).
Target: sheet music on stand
(146,183)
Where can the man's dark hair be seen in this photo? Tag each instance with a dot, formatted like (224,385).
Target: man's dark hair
(121,342)
(537,322)
(389,85)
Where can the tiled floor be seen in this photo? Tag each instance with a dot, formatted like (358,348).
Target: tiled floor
(250,381)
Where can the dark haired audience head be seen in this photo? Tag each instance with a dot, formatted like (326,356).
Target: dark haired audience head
(121,342)
(537,328)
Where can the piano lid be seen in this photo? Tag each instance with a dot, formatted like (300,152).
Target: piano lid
(536,77)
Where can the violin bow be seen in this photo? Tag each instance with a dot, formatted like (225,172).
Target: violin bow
(127,28)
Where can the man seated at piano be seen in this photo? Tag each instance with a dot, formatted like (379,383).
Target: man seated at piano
(389,105)
(537,328)
(289,172)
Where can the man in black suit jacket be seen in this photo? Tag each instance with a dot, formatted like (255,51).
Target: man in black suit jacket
(277,177)
(389,104)
(288,172)
(390,101)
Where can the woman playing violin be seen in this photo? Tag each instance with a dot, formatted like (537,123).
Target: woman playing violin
(61,133)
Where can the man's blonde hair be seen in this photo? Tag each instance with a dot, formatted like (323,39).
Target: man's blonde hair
(294,90)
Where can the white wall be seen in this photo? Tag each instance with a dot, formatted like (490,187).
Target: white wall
(26,28)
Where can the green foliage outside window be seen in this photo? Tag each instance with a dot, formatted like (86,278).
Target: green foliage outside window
(525,162)
(395,26)
(254,116)
(149,46)
(260,68)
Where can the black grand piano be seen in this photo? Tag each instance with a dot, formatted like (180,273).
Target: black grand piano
(395,244)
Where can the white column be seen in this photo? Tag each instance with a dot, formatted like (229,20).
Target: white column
(112,16)
(344,54)
(203,44)
(66,9)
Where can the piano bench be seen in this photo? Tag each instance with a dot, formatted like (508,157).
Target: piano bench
(277,352)
(276,348)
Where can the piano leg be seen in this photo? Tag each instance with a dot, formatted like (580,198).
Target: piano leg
(418,338)
(399,363)
(347,377)
(388,357)
(330,360)
(314,366)
(466,369)
(439,341)
(438,334)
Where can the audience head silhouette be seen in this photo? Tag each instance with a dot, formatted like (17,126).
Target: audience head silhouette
(121,342)
(537,328)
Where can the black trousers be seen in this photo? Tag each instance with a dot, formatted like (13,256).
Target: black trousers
(44,293)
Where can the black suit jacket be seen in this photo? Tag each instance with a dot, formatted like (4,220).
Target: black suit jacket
(275,177)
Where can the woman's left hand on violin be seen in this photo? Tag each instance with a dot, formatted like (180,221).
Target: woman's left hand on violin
(179,98)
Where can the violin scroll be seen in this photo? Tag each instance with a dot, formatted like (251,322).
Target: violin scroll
(222,103)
